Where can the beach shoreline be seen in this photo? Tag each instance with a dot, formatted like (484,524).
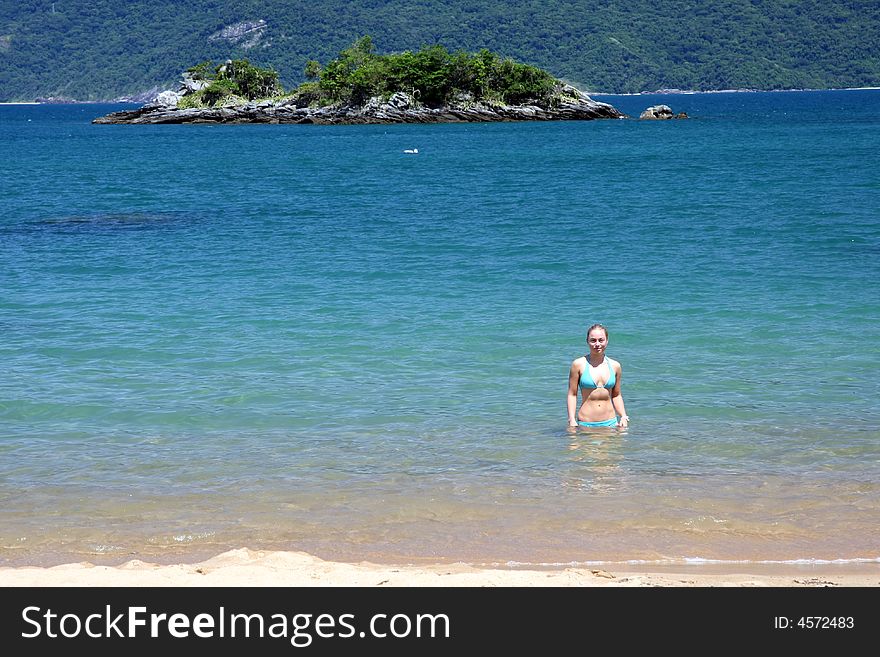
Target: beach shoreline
(267,568)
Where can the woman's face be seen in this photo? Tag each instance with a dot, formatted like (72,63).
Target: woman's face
(597,340)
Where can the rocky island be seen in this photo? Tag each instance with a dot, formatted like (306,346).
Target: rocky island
(428,86)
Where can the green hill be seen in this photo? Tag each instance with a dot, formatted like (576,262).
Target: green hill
(105,49)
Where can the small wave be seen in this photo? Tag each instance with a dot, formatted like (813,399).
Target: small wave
(106,549)
(190,538)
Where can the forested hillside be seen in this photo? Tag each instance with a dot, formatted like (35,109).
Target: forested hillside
(106,49)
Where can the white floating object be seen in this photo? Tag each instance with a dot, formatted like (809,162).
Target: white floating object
(411,150)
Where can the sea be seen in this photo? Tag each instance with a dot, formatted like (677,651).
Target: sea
(305,338)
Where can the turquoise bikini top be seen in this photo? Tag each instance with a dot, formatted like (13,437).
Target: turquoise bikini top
(586,380)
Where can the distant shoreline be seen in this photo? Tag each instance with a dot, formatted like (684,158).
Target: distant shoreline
(659,92)
(686,92)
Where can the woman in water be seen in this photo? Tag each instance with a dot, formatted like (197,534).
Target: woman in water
(598,378)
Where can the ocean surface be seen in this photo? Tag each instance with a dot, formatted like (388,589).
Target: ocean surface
(303,338)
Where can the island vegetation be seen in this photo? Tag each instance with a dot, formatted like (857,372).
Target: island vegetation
(433,76)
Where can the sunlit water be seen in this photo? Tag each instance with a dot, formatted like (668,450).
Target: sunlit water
(302,338)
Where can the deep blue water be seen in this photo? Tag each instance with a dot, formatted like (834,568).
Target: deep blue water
(301,337)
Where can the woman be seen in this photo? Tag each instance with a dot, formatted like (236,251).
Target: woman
(598,378)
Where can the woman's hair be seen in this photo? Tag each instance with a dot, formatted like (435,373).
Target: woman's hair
(597,326)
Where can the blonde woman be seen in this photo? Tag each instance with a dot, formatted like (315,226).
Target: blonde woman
(597,377)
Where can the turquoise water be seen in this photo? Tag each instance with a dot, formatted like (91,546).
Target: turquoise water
(301,338)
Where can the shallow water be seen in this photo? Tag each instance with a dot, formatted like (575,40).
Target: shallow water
(300,337)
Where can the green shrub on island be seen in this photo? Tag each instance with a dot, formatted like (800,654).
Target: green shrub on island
(433,76)
(234,82)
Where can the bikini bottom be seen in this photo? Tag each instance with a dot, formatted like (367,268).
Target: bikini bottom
(604,423)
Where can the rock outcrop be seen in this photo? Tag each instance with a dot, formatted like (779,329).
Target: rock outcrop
(661,112)
(246,34)
(569,104)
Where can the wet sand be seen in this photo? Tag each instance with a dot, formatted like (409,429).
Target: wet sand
(243,567)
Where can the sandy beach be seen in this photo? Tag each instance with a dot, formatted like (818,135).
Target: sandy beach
(244,567)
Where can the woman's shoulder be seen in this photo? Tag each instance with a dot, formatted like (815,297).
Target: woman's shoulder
(579,362)
(614,363)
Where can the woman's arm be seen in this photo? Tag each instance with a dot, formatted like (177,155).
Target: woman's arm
(572,398)
(617,400)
